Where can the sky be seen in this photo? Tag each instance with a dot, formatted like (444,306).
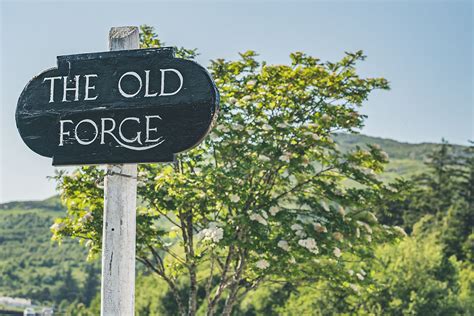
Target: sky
(424,48)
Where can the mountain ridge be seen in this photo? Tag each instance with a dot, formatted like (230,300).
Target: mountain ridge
(406,159)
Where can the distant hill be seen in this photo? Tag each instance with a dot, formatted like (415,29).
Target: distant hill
(33,267)
(406,159)
(52,204)
(395,149)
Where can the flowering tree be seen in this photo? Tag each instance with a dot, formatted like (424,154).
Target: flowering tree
(267,197)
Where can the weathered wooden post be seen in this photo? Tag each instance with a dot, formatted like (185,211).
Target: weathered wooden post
(119,230)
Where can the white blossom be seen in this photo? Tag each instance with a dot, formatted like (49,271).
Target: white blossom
(246,98)
(262,264)
(300,233)
(58,226)
(341,211)
(86,218)
(267,127)
(337,252)
(251,83)
(263,158)
(320,228)
(325,117)
(400,230)
(363,272)
(366,226)
(351,272)
(237,127)
(354,287)
(258,218)
(274,210)
(373,217)
(285,157)
(283,244)
(293,179)
(222,128)
(298,230)
(214,137)
(234,198)
(296,227)
(325,206)
(313,135)
(309,244)
(368,172)
(213,233)
(292,260)
(338,236)
(360,276)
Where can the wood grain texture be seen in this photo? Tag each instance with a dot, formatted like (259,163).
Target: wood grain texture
(119,230)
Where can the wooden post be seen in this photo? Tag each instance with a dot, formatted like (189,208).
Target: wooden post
(119,230)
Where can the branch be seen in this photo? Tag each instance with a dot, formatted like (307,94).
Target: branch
(171,284)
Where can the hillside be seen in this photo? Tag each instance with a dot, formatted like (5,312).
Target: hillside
(406,159)
(33,267)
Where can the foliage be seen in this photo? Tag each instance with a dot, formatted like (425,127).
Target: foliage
(265,196)
(409,278)
(27,223)
(414,279)
(31,266)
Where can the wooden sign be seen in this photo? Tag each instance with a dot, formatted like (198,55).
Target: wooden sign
(117,107)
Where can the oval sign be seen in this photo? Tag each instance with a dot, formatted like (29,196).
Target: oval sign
(117,107)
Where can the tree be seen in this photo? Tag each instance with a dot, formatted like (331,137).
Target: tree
(268,196)
(91,285)
(409,278)
(445,190)
(68,290)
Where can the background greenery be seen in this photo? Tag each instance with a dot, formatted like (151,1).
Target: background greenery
(429,272)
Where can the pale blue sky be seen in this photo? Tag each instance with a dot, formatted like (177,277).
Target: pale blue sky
(424,48)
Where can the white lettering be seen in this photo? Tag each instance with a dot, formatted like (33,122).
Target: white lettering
(123,93)
(87,88)
(135,143)
(82,142)
(104,131)
(75,89)
(163,72)
(147,85)
(61,131)
(136,139)
(51,89)
(148,129)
